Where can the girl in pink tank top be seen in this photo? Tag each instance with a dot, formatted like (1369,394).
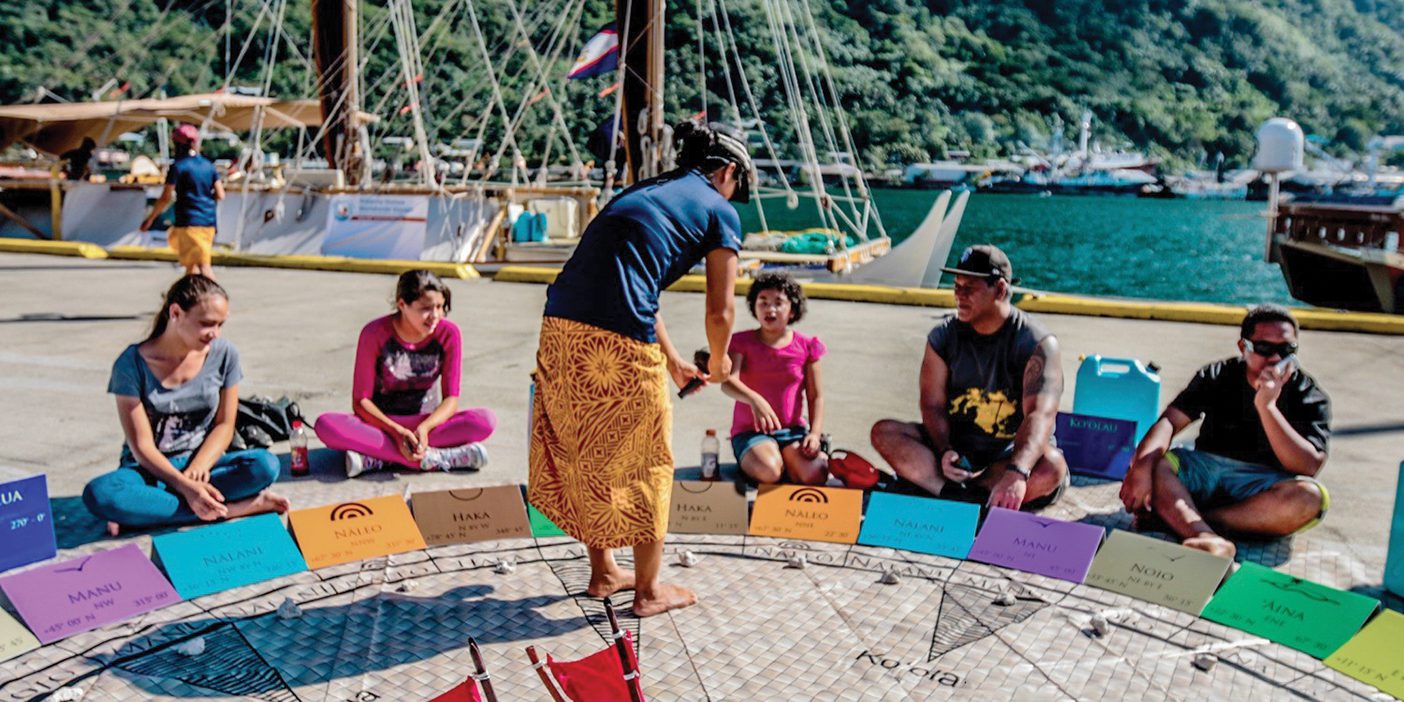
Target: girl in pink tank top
(775,378)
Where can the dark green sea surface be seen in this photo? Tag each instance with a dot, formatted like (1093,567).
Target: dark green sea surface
(1207,251)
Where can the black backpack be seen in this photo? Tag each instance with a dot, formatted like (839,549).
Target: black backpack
(262,421)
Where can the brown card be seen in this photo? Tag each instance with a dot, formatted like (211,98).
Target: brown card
(471,514)
(707,507)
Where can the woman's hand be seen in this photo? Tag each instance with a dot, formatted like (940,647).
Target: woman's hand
(197,473)
(409,445)
(205,500)
(421,436)
(683,371)
(719,368)
(809,447)
(765,419)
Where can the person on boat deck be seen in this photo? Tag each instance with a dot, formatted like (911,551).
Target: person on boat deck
(1263,441)
(78,161)
(990,384)
(177,398)
(193,182)
(601,460)
(774,370)
(394,418)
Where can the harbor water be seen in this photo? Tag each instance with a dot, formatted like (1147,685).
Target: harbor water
(1189,250)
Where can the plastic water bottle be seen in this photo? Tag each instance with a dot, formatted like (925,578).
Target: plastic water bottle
(711,456)
(298,445)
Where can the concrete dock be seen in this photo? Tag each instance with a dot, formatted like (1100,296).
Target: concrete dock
(64,320)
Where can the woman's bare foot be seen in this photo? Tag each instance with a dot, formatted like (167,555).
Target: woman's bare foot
(609,583)
(662,599)
(114,529)
(1213,543)
(265,501)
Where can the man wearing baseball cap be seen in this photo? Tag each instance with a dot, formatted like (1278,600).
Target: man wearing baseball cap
(194,184)
(990,384)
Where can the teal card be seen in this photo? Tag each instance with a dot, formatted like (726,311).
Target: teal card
(920,524)
(224,556)
(540,525)
(1301,614)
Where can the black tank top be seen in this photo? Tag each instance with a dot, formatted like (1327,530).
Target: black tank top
(985,389)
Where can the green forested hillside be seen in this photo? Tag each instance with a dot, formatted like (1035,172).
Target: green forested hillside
(1181,78)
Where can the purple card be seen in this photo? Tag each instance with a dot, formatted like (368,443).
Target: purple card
(1036,544)
(73,596)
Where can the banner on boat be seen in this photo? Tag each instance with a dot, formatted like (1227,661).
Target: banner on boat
(376,226)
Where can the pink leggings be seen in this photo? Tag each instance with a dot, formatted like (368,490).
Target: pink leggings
(344,431)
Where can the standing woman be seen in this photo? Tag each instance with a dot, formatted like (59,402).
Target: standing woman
(601,463)
(177,398)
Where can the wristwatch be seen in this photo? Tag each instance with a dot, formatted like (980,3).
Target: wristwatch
(1026,472)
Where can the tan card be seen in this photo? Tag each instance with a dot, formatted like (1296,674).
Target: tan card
(471,514)
(14,638)
(707,507)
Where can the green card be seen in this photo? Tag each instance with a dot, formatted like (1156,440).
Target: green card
(1304,615)
(540,525)
(1157,571)
(1372,657)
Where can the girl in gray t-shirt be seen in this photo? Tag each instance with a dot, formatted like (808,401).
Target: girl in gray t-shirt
(177,398)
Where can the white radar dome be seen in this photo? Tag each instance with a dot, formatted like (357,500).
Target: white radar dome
(1279,146)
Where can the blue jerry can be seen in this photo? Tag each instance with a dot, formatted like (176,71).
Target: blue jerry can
(1118,388)
(1394,562)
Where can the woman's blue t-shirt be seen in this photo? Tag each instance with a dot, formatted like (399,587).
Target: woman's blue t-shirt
(642,242)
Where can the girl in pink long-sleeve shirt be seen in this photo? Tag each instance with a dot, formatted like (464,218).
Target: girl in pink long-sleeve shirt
(395,420)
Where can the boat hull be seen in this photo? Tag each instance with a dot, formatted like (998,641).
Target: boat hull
(1326,276)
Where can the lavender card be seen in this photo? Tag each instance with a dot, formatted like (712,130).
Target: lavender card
(73,596)
(1037,544)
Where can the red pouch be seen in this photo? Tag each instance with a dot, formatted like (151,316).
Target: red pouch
(854,470)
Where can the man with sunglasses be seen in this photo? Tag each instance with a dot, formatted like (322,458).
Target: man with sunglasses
(990,383)
(1263,440)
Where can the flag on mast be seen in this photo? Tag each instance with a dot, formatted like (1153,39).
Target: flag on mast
(600,55)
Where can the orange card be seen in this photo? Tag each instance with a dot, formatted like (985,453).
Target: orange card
(355,531)
(808,513)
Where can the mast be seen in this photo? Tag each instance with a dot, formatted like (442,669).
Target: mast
(641,29)
(335,40)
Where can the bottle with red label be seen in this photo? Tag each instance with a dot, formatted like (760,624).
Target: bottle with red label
(297,444)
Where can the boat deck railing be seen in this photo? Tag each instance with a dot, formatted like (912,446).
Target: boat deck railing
(1356,227)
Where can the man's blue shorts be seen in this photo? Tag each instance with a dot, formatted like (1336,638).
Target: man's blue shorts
(747,440)
(1216,481)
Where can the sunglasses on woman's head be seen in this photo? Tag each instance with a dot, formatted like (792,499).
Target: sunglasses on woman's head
(1267,349)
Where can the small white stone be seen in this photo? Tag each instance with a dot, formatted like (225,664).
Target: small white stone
(799,562)
(289,610)
(191,648)
(505,567)
(889,577)
(1005,599)
(1100,625)
(68,694)
(1205,661)
(688,559)
(407,586)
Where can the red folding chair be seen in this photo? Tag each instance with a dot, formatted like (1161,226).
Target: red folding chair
(608,675)
(477,687)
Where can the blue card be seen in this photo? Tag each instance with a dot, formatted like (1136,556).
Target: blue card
(1096,446)
(26,522)
(222,556)
(920,524)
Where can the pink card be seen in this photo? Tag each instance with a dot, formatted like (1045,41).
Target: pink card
(70,597)
(1037,544)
